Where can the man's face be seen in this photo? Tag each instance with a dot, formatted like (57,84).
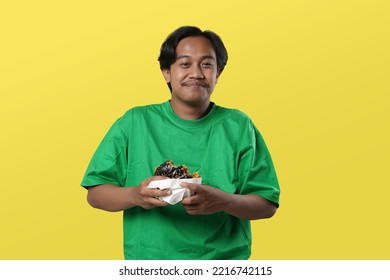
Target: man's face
(194,73)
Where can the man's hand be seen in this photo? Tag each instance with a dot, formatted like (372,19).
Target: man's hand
(148,198)
(206,199)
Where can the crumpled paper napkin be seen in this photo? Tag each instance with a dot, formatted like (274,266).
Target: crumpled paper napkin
(178,193)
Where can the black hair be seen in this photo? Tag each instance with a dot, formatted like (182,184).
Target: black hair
(168,48)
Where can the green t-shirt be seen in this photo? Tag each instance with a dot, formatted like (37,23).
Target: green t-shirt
(224,147)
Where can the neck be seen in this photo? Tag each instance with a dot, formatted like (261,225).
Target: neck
(191,112)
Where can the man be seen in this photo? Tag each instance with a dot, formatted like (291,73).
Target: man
(239,182)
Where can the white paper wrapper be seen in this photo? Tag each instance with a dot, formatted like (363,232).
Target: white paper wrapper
(178,193)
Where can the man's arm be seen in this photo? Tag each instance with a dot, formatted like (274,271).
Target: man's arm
(114,198)
(209,200)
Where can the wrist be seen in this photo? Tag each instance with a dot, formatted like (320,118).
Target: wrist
(228,203)
(129,196)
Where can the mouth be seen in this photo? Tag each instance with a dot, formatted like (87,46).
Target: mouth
(195,84)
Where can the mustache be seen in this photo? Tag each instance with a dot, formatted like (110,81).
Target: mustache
(195,83)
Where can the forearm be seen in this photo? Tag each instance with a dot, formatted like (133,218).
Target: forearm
(113,198)
(249,207)
(209,200)
(110,197)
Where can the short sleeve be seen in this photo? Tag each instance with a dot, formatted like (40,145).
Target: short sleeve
(109,162)
(256,170)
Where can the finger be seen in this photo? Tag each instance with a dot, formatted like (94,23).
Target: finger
(191,200)
(191,186)
(158,202)
(158,192)
(186,201)
(146,204)
(153,202)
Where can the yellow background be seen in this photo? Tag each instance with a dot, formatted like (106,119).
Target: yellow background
(313,76)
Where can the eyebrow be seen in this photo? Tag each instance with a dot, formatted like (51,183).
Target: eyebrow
(203,57)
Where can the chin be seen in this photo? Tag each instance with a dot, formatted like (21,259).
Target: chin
(194,99)
(198,101)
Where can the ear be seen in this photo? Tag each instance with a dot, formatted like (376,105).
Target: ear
(167,75)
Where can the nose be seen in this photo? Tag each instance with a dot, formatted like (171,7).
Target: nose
(196,72)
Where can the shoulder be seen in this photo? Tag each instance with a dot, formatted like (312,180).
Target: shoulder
(137,115)
(138,111)
(239,125)
(233,117)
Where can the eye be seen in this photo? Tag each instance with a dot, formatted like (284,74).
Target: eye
(207,64)
(184,64)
